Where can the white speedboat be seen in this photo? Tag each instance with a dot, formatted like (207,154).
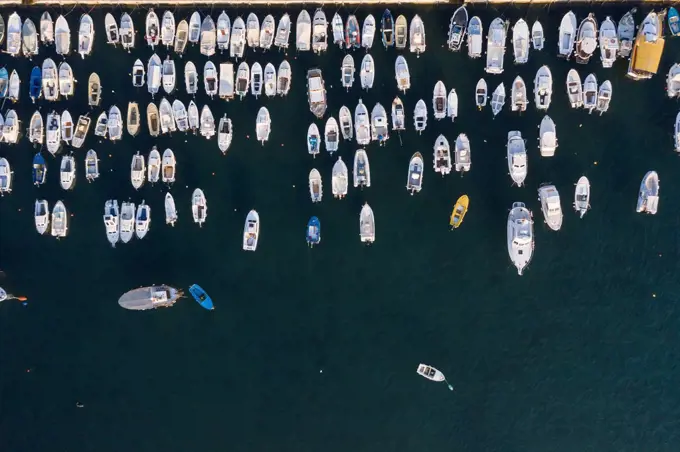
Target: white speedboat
(362,169)
(550,205)
(67,172)
(181,37)
(152,120)
(238,41)
(604,97)
(82,128)
(170,210)
(417,35)
(590,93)
(400,32)
(362,124)
(402,74)
(85,35)
(224,134)
(179,113)
(398,115)
(195,27)
(207,128)
(94,89)
(673,81)
(648,198)
(567,35)
(256,80)
(517,158)
(582,196)
(518,95)
(111,26)
(475,37)
(319,32)
(481,94)
(368,32)
(168,29)
(115,124)
(5,177)
(537,36)
(14,35)
(10,129)
(282,32)
(210,78)
(112,221)
(66,81)
(520,41)
(14,86)
(498,99)
(100,128)
(47,28)
(420,116)
(346,123)
(142,220)
(138,74)
(253,31)
(154,166)
(194,118)
(316,93)
(283,78)
(462,154)
(169,167)
(626,33)
(62,36)
(303,31)
(66,127)
(543,88)
(367,73)
(547,141)
(442,156)
(267,31)
(91,166)
(574,89)
(439,100)
(315,185)
(208,36)
(586,39)
(59,220)
(609,43)
(338,29)
(251,231)
(127,222)
(270,80)
(367,225)
(452,105)
(347,72)
(29,39)
(379,128)
(520,236)
(36,128)
(169,75)
(190,78)
(53,132)
(166,117)
(263,125)
(154,74)
(50,80)
(495,46)
(457,28)
(152,29)
(414,180)
(339,180)
(137,171)
(313,140)
(331,135)
(41,216)
(127,32)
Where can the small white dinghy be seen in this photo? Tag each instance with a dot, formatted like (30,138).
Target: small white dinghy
(142,220)
(10,129)
(208,36)
(517,158)
(331,135)
(168,29)
(414,180)
(481,94)
(362,169)
(368,32)
(112,221)
(50,80)
(169,75)
(442,156)
(567,35)
(420,116)
(153,166)
(537,36)
(495,46)
(604,97)
(398,115)
(66,82)
(223,31)
(100,128)
(283,32)
(339,179)
(463,156)
(138,74)
(547,141)
(35,128)
(152,120)
(66,127)
(256,80)
(224,134)
(67,172)
(181,37)
(207,128)
(210,78)
(433,374)
(170,210)
(338,29)
(315,185)
(263,125)
(379,128)
(590,93)
(402,74)
(543,88)
(137,171)
(550,205)
(367,72)
(14,41)
(283,79)
(648,199)
(319,32)
(179,113)
(574,89)
(582,196)
(270,80)
(41,215)
(313,140)
(127,32)
(242,79)
(195,27)
(417,35)
(609,43)
(59,220)
(190,78)
(518,95)
(367,225)
(498,99)
(238,40)
(303,31)
(439,100)
(362,124)
(520,41)
(474,37)
(346,123)
(29,39)
(82,127)
(267,31)
(91,166)
(169,167)
(47,28)
(62,36)
(115,124)
(5,177)
(251,231)
(127,222)
(253,31)
(85,35)
(452,105)
(111,26)
(194,118)
(14,89)
(347,72)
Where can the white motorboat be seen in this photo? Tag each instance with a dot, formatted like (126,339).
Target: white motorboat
(210,78)
(543,88)
(50,80)
(379,128)
(498,99)
(66,81)
(67,172)
(362,169)
(170,210)
(520,41)
(475,34)
(168,29)
(62,36)
(673,81)
(626,33)
(648,199)
(402,74)
(282,32)
(224,134)
(207,128)
(537,36)
(94,89)
(194,118)
(574,89)
(319,32)
(153,75)
(195,27)
(367,225)
(152,120)
(112,221)
(91,166)
(142,220)
(283,79)
(520,236)
(439,100)
(127,222)
(347,70)
(14,35)
(547,141)
(238,39)
(550,205)
(338,29)
(263,125)
(59,220)
(518,95)
(586,39)
(414,180)
(517,157)
(339,179)
(190,78)
(609,43)
(452,105)
(208,36)
(368,32)
(316,93)
(590,93)
(10,129)
(677,133)
(251,231)
(53,132)
(267,31)
(36,128)
(481,94)
(313,140)
(66,127)
(138,74)
(256,80)
(100,128)
(270,80)
(495,46)
(152,29)
(47,28)
(462,154)
(420,116)
(398,115)
(442,156)
(457,28)
(14,89)
(604,97)
(253,31)
(315,185)
(153,166)
(416,35)
(29,39)
(85,35)
(82,128)
(362,124)
(331,135)
(127,32)
(5,177)
(582,196)
(137,171)
(115,124)
(367,73)
(181,37)
(169,167)
(567,35)
(303,31)
(41,216)
(346,123)
(169,75)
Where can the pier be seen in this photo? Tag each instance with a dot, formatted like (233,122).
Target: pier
(156,3)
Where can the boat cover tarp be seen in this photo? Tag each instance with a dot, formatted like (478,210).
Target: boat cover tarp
(648,55)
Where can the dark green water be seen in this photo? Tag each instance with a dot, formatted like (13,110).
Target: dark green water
(577,354)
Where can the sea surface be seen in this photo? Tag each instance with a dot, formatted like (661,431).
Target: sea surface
(317,349)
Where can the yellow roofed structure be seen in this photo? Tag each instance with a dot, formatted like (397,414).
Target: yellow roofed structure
(647,55)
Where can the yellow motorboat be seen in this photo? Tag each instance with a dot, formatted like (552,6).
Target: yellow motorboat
(459,211)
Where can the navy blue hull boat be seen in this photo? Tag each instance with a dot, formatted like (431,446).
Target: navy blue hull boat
(39,169)
(313,231)
(201,297)
(387,25)
(35,85)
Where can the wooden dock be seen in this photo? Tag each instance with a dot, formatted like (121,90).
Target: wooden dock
(157,3)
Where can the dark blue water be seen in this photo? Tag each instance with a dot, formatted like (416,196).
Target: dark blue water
(312,350)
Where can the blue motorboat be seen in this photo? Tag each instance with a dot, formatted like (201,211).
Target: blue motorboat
(35,85)
(39,169)
(674,21)
(313,231)
(4,82)
(201,297)
(387,25)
